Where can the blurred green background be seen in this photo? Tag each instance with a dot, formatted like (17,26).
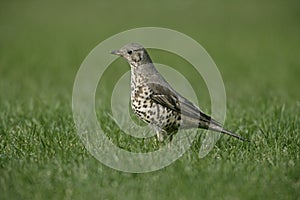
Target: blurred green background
(255,45)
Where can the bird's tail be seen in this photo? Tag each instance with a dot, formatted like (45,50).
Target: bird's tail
(215,126)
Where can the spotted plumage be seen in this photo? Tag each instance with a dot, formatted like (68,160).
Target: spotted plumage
(155,102)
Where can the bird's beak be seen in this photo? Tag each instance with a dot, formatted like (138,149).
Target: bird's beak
(116,52)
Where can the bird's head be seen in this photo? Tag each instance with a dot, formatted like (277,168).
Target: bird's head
(134,53)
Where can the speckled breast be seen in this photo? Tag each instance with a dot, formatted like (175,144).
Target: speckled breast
(151,112)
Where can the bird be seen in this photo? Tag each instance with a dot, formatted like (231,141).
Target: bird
(154,101)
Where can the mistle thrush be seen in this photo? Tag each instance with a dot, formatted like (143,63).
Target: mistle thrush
(155,102)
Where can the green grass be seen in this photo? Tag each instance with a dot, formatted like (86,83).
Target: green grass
(255,46)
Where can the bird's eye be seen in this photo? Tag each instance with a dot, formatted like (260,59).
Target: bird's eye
(129,52)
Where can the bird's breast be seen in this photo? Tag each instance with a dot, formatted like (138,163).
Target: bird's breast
(140,98)
(148,110)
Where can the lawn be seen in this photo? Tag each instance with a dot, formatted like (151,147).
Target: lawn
(255,46)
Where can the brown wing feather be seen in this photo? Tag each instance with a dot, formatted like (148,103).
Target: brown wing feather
(176,102)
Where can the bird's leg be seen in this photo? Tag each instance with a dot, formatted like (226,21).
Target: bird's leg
(163,137)
(160,134)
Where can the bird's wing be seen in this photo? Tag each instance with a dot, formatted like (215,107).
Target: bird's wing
(174,101)
(166,97)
